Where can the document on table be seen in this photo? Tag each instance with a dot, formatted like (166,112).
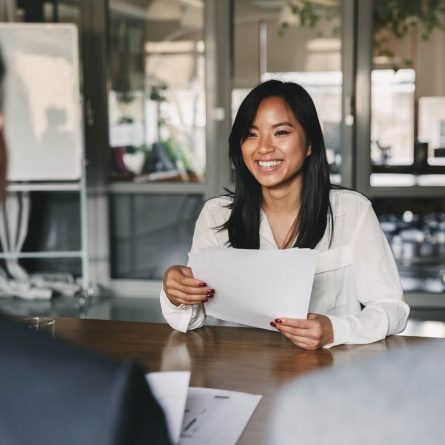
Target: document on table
(255,286)
(170,390)
(201,415)
(216,417)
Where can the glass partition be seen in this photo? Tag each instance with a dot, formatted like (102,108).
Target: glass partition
(156,91)
(298,42)
(408,94)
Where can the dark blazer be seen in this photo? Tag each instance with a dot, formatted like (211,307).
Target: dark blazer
(54,393)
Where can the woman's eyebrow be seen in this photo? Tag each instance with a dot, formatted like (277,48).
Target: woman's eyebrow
(280,124)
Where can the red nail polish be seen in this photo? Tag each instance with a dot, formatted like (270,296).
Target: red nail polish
(202,284)
(277,320)
(272,323)
(206,300)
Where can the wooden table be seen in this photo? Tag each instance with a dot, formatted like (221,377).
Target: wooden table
(238,359)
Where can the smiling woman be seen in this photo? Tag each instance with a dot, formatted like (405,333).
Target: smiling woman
(283,198)
(274,151)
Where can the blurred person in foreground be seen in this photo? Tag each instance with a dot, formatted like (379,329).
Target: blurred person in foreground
(52,392)
(396,398)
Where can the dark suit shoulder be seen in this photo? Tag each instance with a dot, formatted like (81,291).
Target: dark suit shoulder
(69,395)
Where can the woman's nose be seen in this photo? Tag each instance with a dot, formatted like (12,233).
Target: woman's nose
(265,146)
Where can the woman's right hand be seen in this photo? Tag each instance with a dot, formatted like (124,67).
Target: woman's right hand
(182,288)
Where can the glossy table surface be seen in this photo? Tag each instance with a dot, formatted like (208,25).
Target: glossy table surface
(239,359)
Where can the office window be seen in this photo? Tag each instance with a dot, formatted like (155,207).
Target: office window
(408,95)
(284,40)
(392,129)
(156,96)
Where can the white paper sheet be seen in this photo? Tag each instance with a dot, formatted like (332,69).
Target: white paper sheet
(170,390)
(216,417)
(253,287)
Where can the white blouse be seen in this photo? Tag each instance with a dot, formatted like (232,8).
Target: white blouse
(357,270)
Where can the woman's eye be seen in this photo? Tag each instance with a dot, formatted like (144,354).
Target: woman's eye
(281,132)
(251,134)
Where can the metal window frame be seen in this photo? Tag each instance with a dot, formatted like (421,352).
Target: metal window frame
(362,142)
(94,70)
(348,121)
(363,57)
(218,60)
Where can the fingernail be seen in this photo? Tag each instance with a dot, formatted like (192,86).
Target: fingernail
(206,300)
(272,323)
(210,295)
(202,284)
(210,292)
(277,320)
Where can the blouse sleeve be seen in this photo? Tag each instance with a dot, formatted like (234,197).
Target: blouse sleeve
(188,317)
(377,286)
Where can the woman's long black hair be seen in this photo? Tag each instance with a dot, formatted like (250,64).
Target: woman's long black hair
(243,224)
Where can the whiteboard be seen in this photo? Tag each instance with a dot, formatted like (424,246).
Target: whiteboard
(42,110)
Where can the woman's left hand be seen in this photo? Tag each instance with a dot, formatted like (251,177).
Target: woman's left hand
(310,334)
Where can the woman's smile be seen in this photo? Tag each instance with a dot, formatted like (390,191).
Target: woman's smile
(269,166)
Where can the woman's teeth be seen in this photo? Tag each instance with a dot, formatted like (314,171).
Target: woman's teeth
(268,164)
